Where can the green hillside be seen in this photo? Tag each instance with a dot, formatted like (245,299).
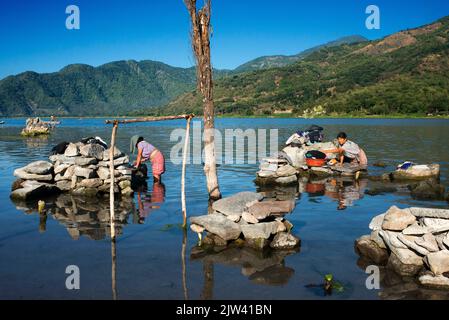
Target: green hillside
(78,89)
(405,73)
(277,61)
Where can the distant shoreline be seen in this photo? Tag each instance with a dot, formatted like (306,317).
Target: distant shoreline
(235,116)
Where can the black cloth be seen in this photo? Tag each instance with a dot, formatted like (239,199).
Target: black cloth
(59,148)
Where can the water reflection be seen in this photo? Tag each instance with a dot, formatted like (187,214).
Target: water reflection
(81,216)
(260,267)
(148,202)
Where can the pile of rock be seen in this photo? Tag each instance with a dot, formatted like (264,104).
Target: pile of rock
(83,169)
(412,241)
(287,166)
(35,127)
(247,217)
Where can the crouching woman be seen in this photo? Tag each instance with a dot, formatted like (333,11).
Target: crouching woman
(147,152)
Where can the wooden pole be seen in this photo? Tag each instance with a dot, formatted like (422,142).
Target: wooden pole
(151,119)
(114,269)
(183,263)
(112,179)
(183,175)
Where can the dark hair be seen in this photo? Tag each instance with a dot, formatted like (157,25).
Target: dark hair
(342,135)
(140,139)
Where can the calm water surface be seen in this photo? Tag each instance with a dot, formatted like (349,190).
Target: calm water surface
(35,252)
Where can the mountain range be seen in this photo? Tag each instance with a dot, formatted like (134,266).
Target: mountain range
(115,88)
(405,73)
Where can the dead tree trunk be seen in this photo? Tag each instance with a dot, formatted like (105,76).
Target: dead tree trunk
(201,47)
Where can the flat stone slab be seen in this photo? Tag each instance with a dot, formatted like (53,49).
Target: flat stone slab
(260,230)
(429,212)
(434,281)
(79,161)
(22,174)
(38,167)
(33,189)
(236,204)
(219,225)
(261,210)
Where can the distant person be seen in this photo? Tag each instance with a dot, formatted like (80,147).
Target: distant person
(348,151)
(147,152)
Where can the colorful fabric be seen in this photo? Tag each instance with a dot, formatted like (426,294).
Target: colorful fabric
(147,149)
(158,163)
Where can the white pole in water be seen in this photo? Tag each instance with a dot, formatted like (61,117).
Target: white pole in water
(112,179)
(183,176)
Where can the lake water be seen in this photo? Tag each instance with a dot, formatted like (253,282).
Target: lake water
(151,261)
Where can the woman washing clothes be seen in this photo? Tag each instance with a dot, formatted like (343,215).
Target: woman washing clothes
(147,152)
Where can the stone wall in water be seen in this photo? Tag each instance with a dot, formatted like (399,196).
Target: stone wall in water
(81,169)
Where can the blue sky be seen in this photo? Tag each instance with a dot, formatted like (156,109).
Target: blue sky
(34,37)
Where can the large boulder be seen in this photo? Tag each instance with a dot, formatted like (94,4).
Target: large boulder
(376,222)
(71,150)
(236,204)
(397,220)
(286,171)
(219,225)
(84,172)
(366,247)
(38,167)
(33,189)
(430,280)
(417,172)
(286,180)
(92,150)
(117,153)
(90,183)
(263,209)
(410,242)
(427,190)
(405,262)
(429,242)
(261,230)
(22,174)
(429,213)
(438,262)
(285,240)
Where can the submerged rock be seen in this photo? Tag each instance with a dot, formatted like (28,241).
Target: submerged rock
(427,190)
(431,280)
(438,262)
(366,247)
(405,262)
(285,240)
(33,189)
